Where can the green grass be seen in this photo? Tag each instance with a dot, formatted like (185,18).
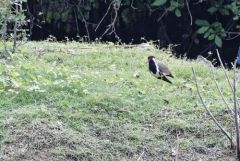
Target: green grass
(77,101)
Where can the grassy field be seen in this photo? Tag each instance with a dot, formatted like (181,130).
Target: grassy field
(76,101)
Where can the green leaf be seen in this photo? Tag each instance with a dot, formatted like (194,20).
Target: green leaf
(223,34)
(49,16)
(56,16)
(212,10)
(224,11)
(158,2)
(218,41)
(235,18)
(206,34)
(171,8)
(211,37)
(174,3)
(202,29)
(65,16)
(178,13)
(201,22)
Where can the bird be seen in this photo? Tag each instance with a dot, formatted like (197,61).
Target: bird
(158,69)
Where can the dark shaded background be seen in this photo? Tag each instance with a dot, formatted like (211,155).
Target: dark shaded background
(133,22)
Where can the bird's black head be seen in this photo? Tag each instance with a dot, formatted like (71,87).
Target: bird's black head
(150,58)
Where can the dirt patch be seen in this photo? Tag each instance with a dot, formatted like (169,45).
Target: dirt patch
(44,142)
(206,154)
(41,142)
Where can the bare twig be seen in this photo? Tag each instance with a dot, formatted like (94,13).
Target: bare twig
(111,26)
(219,90)
(109,7)
(76,21)
(236,111)
(177,149)
(230,37)
(15,28)
(32,18)
(209,112)
(86,25)
(163,14)
(189,12)
(140,156)
(224,69)
(132,5)
(227,77)
(4,34)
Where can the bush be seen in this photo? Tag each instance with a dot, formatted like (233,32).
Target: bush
(12,19)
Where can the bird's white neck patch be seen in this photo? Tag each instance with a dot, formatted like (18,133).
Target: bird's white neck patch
(156,64)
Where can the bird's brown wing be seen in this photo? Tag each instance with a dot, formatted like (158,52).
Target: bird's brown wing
(164,69)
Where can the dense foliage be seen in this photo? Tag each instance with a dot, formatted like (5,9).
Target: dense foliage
(211,23)
(215,20)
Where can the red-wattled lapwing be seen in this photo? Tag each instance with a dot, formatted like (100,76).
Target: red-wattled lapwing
(158,69)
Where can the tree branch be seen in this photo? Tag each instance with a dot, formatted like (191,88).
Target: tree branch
(189,12)
(109,7)
(85,24)
(111,26)
(219,90)
(235,83)
(227,77)
(209,112)
(15,28)
(163,14)
(224,69)
(132,5)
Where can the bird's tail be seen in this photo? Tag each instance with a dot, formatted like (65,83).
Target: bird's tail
(165,79)
(170,75)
